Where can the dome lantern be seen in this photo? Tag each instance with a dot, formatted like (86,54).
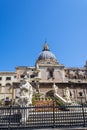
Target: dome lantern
(45,47)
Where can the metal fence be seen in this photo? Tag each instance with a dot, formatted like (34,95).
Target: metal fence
(13,117)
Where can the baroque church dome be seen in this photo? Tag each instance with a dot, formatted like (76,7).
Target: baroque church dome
(46,55)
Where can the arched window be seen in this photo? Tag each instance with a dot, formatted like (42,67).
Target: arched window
(50,73)
(75,77)
(8,85)
(8,88)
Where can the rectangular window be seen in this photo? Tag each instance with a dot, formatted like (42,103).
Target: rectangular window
(8,78)
(22,76)
(32,76)
(0,78)
(80,94)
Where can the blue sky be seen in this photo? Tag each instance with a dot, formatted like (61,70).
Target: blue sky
(25,24)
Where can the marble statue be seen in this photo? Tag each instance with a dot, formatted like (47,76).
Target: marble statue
(55,88)
(67,94)
(25,99)
(26,93)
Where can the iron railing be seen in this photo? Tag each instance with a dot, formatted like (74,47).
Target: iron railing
(15,117)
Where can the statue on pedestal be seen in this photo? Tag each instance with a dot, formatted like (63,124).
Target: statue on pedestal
(25,99)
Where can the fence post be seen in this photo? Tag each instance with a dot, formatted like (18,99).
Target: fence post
(83,115)
(53,113)
(9,117)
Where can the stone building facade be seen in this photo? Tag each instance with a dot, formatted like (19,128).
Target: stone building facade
(43,75)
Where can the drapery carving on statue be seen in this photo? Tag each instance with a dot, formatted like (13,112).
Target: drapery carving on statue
(26,93)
